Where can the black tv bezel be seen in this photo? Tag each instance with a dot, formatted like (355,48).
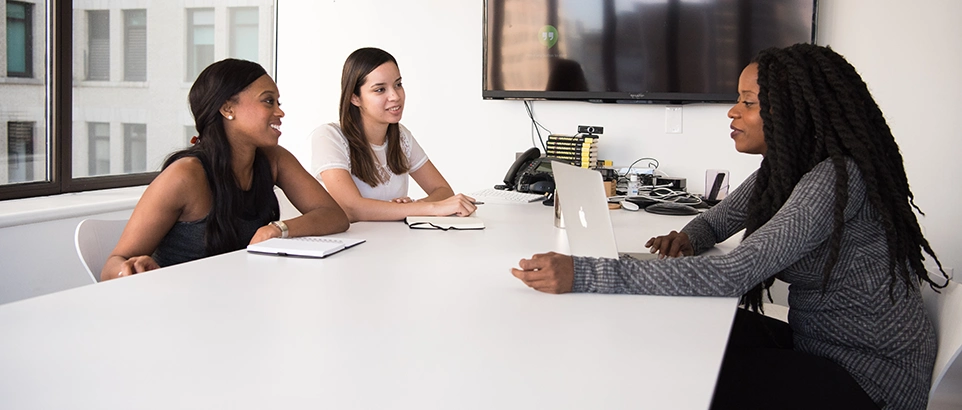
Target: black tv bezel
(640,97)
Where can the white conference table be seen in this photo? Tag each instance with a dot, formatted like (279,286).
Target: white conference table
(411,319)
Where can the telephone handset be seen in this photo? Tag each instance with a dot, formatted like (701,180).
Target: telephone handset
(518,166)
(530,173)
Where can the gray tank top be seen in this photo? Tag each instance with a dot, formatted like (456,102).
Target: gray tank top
(185,241)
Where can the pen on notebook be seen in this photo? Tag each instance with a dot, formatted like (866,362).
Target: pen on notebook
(477,202)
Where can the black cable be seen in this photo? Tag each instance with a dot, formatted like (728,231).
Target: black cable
(536,126)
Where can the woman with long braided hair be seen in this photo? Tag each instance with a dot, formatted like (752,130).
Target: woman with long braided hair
(830,212)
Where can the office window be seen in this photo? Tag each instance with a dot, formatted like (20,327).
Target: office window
(19,39)
(243,33)
(98,137)
(94,137)
(135,45)
(135,148)
(20,158)
(98,45)
(200,41)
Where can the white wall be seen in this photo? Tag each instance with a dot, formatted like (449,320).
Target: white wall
(908,53)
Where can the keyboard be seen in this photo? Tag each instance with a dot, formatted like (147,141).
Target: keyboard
(505,197)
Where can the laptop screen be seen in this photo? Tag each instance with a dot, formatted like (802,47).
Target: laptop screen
(584,206)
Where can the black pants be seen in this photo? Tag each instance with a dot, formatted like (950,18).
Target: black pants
(760,370)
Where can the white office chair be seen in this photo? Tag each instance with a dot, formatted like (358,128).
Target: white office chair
(95,238)
(775,311)
(288,210)
(945,312)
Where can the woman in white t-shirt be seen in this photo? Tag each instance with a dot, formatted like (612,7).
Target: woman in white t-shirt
(364,161)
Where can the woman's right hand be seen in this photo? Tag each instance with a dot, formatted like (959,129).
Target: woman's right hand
(672,245)
(136,265)
(458,205)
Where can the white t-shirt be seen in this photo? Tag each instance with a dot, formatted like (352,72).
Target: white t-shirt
(329,150)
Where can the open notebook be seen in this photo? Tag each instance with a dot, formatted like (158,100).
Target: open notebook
(305,246)
(444,222)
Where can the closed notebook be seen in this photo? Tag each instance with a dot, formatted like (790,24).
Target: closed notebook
(305,246)
(444,222)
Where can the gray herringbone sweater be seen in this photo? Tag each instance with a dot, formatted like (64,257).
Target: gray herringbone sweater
(889,348)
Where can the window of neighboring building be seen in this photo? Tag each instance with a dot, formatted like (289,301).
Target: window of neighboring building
(98,138)
(19,39)
(20,158)
(135,148)
(243,33)
(200,41)
(98,45)
(135,45)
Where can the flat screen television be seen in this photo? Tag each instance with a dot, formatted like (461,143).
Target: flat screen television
(637,51)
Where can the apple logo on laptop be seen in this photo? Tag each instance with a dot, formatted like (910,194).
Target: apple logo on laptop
(581,214)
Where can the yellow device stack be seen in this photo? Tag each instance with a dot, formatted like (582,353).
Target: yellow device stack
(579,150)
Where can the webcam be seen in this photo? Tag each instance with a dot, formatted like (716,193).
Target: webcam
(590,129)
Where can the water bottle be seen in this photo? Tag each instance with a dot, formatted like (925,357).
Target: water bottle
(633,185)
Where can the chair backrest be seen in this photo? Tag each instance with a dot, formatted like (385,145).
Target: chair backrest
(945,312)
(95,239)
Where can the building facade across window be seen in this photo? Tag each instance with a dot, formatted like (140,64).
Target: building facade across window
(116,108)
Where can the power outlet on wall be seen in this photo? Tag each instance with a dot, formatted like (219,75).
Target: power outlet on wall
(673,119)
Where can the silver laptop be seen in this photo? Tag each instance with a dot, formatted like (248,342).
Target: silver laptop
(584,207)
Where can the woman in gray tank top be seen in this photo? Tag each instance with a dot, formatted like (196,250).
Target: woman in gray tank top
(218,195)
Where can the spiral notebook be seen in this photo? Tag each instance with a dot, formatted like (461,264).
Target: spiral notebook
(305,246)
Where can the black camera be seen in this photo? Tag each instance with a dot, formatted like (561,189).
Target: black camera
(590,129)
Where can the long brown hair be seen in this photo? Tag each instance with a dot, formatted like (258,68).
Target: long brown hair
(356,68)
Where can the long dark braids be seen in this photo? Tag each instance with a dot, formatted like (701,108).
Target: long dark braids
(815,106)
(218,83)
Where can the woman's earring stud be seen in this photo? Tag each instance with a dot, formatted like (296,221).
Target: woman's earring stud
(230,117)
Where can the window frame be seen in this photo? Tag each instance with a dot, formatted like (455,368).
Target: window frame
(59,74)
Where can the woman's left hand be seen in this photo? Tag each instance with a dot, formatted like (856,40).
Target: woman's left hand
(402,200)
(547,272)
